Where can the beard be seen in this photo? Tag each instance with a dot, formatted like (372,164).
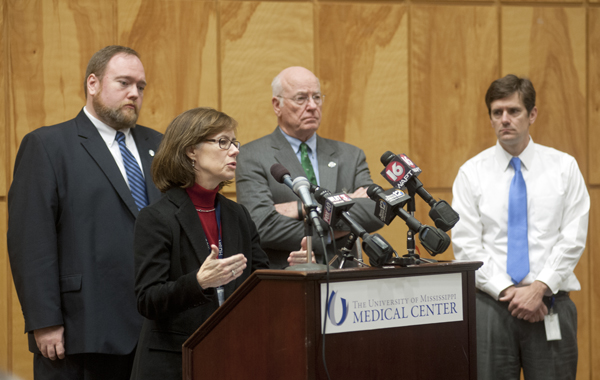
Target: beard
(117,118)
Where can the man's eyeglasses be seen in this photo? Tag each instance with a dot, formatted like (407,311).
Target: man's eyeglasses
(302,99)
(225,143)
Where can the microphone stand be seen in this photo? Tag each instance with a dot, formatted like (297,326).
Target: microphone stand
(346,252)
(411,258)
(309,265)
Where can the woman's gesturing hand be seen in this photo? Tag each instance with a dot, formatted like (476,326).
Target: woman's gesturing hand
(215,272)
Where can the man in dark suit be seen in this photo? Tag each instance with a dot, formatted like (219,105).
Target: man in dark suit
(334,165)
(72,206)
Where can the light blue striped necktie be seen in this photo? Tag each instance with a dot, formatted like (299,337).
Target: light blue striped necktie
(517,260)
(137,185)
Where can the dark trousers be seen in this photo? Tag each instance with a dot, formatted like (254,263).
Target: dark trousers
(505,344)
(83,367)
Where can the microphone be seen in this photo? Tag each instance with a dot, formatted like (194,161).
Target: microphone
(281,175)
(394,199)
(401,172)
(301,188)
(433,239)
(335,207)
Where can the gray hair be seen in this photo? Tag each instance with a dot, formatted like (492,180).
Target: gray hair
(277,87)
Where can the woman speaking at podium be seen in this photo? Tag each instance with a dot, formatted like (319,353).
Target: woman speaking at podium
(193,247)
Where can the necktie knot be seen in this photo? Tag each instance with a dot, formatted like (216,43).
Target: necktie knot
(516,163)
(304,148)
(306,164)
(120,137)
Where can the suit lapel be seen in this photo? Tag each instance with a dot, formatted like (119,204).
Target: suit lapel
(229,224)
(96,147)
(328,165)
(146,152)
(190,222)
(285,155)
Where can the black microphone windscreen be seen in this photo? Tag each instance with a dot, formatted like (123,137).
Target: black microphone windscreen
(387,157)
(434,239)
(373,190)
(278,171)
(321,194)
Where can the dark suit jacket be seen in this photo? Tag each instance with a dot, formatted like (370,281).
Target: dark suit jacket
(70,236)
(342,168)
(170,247)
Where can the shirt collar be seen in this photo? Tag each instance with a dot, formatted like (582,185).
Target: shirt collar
(503,157)
(107,133)
(295,143)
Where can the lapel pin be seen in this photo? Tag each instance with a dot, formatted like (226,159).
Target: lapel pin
(332,164)
(151,152)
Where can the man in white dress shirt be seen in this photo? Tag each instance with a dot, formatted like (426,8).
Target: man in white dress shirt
(524,212)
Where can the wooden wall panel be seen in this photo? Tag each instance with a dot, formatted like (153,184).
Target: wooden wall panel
(21,363)
(258,40)
(594,95)
(364,74)
(593,291)
(545,1)
(5,285)
(451,68)
(177,41)
(585,319)
(549,46)
(50,44)
(3,94)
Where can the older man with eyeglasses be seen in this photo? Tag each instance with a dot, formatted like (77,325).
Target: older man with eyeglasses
(339,167)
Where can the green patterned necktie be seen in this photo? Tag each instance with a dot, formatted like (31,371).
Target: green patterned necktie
(306,165)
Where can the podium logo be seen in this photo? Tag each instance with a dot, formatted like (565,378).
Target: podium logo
(333,307)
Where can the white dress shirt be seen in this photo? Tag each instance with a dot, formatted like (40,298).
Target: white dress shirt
(109,135)
(558,207)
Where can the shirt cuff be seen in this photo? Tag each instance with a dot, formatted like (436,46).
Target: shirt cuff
(497,284)
(551,279)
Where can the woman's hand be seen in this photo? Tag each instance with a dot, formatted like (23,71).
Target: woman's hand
(215,272)
(299,257)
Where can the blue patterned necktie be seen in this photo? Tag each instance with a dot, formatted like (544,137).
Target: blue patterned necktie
(307,165)
(517,261)
(137,185)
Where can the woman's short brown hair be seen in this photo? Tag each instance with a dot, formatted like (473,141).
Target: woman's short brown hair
(171,166)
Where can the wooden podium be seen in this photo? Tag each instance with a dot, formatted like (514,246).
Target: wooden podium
(270,328)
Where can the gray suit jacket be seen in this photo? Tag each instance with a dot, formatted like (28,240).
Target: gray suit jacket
(342,167)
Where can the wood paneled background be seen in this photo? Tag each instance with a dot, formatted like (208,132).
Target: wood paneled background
(406,76)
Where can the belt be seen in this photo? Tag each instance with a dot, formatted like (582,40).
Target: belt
(559,294)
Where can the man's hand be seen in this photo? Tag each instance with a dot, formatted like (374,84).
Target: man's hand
(51,341)
(299,257)
(361,192)
(526,302)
